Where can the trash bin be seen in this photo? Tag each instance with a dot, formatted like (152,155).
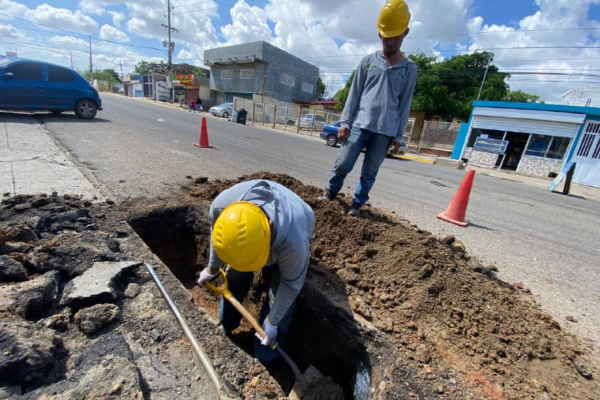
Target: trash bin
(241,116)
(234,116)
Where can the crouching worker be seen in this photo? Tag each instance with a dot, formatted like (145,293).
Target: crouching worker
(260,225)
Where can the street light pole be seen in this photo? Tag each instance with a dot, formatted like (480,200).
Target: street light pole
(483,81)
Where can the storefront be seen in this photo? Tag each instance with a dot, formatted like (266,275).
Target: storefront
(539,139)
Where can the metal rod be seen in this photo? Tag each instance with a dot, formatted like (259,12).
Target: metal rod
(204,359)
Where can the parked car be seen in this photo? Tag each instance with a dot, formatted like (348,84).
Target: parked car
(311,121)
(330,132)
(30,85)
(224,110)
(283,120)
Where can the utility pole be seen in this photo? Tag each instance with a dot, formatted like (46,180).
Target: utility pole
(91,70)
(483,81)
(263,86)
(122,81)
(170,46)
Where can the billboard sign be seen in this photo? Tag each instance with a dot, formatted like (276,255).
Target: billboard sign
(162,91)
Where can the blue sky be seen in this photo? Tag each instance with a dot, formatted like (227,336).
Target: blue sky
(539,37)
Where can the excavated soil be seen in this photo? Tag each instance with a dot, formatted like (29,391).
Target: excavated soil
(444,312)
(388,311)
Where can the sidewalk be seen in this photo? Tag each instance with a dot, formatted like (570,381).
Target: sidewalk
(31,163)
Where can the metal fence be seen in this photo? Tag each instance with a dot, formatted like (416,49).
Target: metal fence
(438,135)
(288,118)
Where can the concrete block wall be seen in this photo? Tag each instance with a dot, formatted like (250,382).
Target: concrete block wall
(538,167)
(281,75)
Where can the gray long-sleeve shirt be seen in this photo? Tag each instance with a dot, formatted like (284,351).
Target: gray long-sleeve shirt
(293,227)
(380,96)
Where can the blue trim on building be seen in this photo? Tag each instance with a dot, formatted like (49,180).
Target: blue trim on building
(463,135)
(595,111)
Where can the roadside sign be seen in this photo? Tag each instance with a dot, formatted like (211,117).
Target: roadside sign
(492,145)
(561,176)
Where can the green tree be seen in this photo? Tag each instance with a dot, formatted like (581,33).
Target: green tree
(107,75)
(146,68)
(519,96)
(113,73)
(448,88)
(321,87)
(342,94)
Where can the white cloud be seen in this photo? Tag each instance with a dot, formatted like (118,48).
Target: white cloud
(62,18)
(9,32)
(554,25)
(117,17)
(111,33)
(249,24)
(11,8)
(70,42)
(92,7)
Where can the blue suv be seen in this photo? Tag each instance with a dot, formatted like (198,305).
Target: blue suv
(38,86)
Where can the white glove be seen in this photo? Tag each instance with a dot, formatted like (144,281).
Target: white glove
(270,333)
(205,276)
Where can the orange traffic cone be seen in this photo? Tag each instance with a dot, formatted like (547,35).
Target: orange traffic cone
(203,136)
(456,211)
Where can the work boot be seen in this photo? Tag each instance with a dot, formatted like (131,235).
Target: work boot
(327,196)
(355,210)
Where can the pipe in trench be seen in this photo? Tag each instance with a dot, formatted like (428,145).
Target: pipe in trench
(198,349)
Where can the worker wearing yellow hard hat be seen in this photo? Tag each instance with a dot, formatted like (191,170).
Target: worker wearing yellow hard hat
(260,225)
(377,107)
(393,19)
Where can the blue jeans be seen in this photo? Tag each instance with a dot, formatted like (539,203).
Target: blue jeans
(230,318)
(376,145)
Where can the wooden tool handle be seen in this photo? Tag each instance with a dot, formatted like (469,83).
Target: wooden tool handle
(248,316)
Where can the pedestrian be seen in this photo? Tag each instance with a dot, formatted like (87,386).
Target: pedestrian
(377,107)
(192,106)
(199,104)
(260,225)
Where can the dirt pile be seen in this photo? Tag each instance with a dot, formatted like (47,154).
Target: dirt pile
(444,312)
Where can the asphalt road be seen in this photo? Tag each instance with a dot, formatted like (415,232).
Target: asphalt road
(546,241)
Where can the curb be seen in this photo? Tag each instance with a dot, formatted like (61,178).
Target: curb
(413,158)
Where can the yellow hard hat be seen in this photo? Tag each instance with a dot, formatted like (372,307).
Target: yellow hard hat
(241,236)
(393,18)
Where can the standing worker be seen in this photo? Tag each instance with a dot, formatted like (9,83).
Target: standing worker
(258,224)
(377,107)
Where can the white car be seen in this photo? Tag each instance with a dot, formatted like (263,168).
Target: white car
(224,110)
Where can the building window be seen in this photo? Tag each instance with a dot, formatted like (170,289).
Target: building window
(548,146)
(307,87)
(26,71)
(57,74)
(246,74)
(558,148)
(287,80)
(227,74)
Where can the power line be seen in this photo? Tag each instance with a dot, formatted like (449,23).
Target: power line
(141,9)
(80,35)
(409,37)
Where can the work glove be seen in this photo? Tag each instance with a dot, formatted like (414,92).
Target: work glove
(205,276)
(270,333)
